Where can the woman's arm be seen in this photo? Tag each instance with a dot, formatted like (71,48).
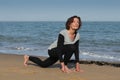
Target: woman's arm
(77,67)
(77,52)
(60,44)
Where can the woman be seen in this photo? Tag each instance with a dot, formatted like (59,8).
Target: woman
(66,45)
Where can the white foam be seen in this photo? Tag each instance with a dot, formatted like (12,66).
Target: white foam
(99,57)
(22,48)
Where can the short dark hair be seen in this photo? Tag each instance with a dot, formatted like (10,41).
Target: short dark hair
(70,20)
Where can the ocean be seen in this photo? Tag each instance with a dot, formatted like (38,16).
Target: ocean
(99,41)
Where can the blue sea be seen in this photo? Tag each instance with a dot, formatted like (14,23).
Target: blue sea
(99,41)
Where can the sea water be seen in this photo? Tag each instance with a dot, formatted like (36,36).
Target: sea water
(99,41)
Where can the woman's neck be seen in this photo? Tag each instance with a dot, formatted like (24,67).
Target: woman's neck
(71,32)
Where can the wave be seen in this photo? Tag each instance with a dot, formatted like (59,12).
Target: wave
(15,38)
(98,57)
(21,48)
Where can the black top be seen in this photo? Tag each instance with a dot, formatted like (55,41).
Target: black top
(65,45)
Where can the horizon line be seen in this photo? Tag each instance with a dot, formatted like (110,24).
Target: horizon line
(56,21)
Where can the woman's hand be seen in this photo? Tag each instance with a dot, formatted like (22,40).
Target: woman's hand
(67,70)
(64,68)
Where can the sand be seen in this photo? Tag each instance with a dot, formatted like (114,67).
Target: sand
(12,68)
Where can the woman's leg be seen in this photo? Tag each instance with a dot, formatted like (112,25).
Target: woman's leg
(26,58)
(67,57)
(48,62)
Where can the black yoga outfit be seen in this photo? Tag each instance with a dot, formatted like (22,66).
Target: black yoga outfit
(62,50)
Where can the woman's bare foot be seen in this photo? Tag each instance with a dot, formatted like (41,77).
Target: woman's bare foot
(26,58)
(67,70)
(62,69)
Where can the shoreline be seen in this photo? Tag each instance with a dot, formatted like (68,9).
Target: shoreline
(12,68)
(99,63)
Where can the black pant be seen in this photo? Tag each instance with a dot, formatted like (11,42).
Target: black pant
(54,57)
(48,62)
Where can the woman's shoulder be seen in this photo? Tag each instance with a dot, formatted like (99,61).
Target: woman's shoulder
(63,32)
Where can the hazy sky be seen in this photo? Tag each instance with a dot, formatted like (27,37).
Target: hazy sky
(59,10)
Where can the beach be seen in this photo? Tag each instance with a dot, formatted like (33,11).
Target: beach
(12,68)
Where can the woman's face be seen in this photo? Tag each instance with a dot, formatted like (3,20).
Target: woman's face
(75,24)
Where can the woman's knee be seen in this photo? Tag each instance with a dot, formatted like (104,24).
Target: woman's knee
(52,53)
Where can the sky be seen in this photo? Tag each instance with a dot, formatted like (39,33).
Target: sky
(59,10)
